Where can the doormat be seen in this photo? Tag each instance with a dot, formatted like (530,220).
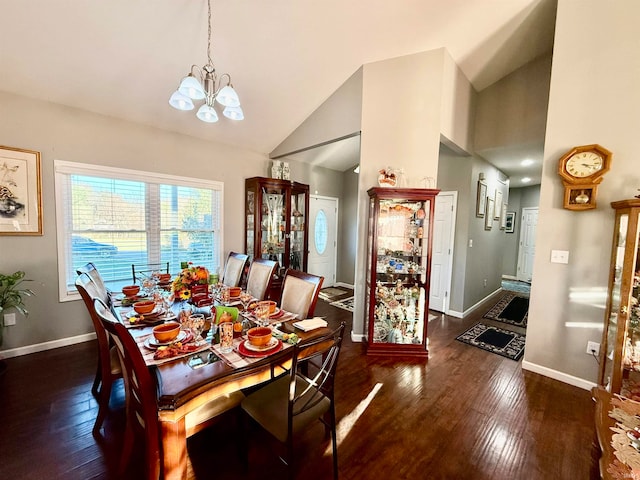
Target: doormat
(331,292)
(495,340)
(512,308)
(345,303)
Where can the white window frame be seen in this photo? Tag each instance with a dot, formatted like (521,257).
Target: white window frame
(62,169)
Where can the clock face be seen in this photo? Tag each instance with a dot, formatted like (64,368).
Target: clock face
(584,164)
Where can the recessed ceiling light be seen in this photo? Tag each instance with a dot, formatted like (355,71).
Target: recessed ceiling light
(526,162)
(525,180)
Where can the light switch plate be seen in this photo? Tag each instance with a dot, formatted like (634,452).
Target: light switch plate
(9,319)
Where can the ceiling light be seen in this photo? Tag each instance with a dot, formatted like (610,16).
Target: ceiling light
(526,162)
(525,180)
(357,169)
(203,83)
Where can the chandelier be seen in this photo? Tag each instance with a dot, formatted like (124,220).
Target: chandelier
(203,83)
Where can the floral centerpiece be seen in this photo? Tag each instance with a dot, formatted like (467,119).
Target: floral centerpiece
(186,279)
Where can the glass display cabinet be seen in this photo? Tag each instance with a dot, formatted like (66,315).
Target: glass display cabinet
(276,221)
(620,365)
(398,270)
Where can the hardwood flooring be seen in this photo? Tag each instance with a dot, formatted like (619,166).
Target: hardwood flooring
(463,414)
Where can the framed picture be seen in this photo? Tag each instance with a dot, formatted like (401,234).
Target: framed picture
(498,205)
(20,192)
(503,217)
(510,222)
(488,218)
(481,199)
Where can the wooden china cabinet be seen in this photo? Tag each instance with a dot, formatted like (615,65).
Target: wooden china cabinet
(620,365)
(398,270)
(276,223)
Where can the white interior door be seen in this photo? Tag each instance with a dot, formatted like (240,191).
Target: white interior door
(527,247)
(323,238)
(442,251)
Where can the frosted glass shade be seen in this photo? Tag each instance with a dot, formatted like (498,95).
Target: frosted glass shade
(234,113)
(207,114)
(191,87)
(180,101)
(228,97)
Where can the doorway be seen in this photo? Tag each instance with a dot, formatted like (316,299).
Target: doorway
(444,222)
(323,238)
(527,244)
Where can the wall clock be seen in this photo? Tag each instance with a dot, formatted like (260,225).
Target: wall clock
(582,169)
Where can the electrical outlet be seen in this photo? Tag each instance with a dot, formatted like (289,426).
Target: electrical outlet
(9,319)
(593,348)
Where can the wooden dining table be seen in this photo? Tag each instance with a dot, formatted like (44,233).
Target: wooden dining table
(183,389)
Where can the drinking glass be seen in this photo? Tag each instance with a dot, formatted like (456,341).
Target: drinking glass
(226,337)
(262,315)
(196,323)
(245,299)
(226,295)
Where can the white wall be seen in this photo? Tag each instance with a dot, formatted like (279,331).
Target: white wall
(594,98)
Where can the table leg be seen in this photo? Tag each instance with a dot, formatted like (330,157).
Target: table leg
(174,449)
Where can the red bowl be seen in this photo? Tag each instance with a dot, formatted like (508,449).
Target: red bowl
(131,290)
(259,336)
(166,332)
(145,306)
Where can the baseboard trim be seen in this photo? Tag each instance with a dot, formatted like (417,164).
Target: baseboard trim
(342,284)
(41,347)
(556,375)
(454,313)
(358,337)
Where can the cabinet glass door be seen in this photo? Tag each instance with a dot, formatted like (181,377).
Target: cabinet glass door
(274,207)
(297,232)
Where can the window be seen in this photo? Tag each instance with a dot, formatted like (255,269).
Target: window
(321,234)
(116,218)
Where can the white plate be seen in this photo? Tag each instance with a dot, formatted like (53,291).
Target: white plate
(272,343)
(156,312)
(152,343)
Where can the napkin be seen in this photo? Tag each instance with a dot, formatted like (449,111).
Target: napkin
(310,324)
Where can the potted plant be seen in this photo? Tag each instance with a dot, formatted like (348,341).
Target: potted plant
(12,295)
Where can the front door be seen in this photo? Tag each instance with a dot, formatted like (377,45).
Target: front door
(527,247)
(323,238)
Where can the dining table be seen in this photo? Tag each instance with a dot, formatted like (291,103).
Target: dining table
(189,382)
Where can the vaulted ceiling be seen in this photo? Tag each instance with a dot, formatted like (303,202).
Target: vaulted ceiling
(124,58)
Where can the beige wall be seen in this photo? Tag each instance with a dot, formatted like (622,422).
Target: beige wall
(594,98)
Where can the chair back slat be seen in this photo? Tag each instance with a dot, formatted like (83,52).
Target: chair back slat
(92,272)
(141,271)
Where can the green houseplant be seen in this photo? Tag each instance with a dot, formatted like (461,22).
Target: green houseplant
(12,295)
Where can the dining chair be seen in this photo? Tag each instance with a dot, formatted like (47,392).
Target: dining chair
(142,398)
(300,293)
(260,277)
(91,270)
(291,403)
(141,395)
(140,271)
(233,269)
(109,368)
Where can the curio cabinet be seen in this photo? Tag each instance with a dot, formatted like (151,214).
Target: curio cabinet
(398,270)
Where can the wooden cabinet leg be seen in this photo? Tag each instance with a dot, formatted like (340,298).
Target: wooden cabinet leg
(174,450)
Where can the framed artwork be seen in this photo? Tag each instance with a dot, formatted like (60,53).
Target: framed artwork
(488,218)
(481,199)
(510,222)
(503,217)
(20,192)
(498,205)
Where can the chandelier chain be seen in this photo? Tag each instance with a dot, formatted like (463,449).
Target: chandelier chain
(209,35)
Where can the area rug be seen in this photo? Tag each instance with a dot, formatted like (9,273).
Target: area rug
(331,292)
(495,340)
(516,286)
(345,303)
(512,308)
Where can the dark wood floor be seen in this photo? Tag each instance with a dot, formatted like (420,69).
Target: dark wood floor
(463,414)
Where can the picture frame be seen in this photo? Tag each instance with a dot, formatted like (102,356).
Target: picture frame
(510,222)
(488,218)
(498,206)
(481,199)
(503,217)
(20,192)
